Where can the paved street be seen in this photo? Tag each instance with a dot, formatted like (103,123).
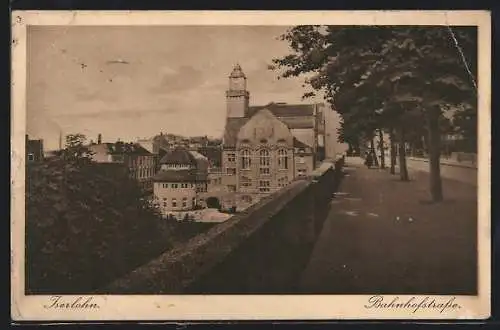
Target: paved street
(383,235)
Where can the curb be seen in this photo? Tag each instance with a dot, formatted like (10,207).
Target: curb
(472,167)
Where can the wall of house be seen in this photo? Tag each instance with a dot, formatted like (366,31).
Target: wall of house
(142,166)
(304,164)
(332,124)
(100,153)
(229,178)
(262,132)
(166,192)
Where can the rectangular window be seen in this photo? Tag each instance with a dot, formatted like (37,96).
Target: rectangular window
(282,159)
(193,201)
(175,185)
(264,170)
(231,157)
(246,182)
(264,186)
(231,188)
(184,202)
(174,202)
(31,157)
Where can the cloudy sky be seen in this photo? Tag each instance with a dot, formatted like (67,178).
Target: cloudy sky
(130,82)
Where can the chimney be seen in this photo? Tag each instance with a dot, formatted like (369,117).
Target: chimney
(99,138)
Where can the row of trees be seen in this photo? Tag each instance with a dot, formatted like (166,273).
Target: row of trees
(398,80)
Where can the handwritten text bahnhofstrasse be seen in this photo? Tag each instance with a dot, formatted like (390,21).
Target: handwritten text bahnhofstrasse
(414,304)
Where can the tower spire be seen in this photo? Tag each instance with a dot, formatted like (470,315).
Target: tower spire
(237,96)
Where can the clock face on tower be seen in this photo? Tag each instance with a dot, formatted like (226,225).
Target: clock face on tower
(238,84)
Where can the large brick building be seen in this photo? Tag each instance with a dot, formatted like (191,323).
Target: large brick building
(266,147)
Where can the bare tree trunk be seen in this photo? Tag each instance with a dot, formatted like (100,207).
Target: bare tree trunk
(372,151)
(403,170)
(382,149)
(393,151)
(434,147)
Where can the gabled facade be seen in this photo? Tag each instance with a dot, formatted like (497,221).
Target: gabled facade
(265,147)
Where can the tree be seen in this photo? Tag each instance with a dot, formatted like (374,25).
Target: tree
(75,150)
(407,69)
(84,218)
(213,203)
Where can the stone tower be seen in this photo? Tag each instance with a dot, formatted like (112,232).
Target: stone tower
(237,96)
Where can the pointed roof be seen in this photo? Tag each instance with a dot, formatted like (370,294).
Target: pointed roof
(237,72)
(117,148)
(299,144)
(284,109)
(179,156)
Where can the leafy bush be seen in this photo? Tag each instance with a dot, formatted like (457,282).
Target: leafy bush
(86,224)
(213,202)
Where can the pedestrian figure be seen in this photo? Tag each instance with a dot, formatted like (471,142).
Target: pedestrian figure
(369,160)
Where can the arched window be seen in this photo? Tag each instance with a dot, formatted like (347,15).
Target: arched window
(282,159)
(245,159)
(265,161)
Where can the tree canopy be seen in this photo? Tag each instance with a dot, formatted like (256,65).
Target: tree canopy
(393,78)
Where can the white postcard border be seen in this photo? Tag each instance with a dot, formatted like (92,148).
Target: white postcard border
(244,307)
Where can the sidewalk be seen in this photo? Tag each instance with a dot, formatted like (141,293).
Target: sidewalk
(382,236)
(448,162)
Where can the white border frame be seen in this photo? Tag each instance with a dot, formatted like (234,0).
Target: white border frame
(242,307)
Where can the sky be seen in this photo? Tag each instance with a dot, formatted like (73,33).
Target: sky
(133,82)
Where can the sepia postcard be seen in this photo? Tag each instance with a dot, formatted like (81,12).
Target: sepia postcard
(260,165)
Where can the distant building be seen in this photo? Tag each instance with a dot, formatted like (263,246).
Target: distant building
(34,150)
(140,162)
(175,190)
(181,180)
